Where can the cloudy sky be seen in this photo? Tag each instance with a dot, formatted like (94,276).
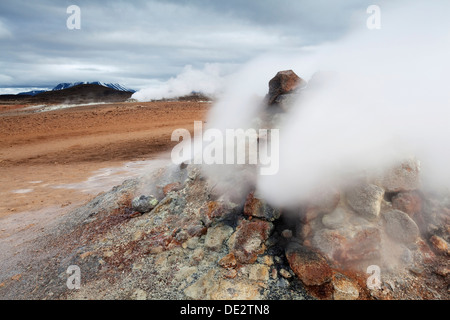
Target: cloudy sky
(137,43)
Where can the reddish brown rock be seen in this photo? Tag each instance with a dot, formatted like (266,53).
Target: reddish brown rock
(229,261)
(172,187)
(409,202)
(344,288)
(284,82)
(309,266)
(255,207)
(215,211)
(440,245)
(426,252)
(249,240)
(346,246)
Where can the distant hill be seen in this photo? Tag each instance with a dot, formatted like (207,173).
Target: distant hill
(31,93)
(114,86)
(82,93)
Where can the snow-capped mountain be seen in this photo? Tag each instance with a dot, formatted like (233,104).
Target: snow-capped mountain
(31,93)
(114,86)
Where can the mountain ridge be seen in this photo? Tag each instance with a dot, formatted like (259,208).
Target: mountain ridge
(67,85)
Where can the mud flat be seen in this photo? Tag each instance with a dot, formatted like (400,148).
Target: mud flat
(46,147)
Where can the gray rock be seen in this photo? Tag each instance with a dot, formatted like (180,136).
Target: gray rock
(335,220)
(144,203)
(400,226)
(366,200)
(216,236)
(404,177)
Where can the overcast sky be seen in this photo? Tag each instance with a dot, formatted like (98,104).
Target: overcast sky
(137,43)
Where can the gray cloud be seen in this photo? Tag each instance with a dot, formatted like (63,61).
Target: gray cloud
(145,41)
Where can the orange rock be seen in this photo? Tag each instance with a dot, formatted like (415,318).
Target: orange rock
(249,240)
(440,245)
(309,266)
(229,261)
(172,187)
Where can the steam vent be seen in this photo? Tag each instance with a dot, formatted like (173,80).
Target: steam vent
(380,238)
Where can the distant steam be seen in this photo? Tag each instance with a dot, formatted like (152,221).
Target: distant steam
(208,81)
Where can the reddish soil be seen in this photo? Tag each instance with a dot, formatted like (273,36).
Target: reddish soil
(39,150)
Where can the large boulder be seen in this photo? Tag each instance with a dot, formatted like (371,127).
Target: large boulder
(284,82)
(248,240)
(366,200)
(402,177)
(309,266)
(349,244)
(144,203)
(400,226)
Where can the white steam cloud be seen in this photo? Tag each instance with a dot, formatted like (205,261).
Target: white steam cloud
(388,99)
(208,81)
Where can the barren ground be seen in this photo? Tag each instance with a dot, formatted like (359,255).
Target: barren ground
(43,153)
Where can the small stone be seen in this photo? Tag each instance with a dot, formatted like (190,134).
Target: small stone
(86,254)
(155,250)
(440,245)
(198,254)
(285,274)
(139,295)
(255,207)
(16,277)
(176,186)
(267,260)
(400,226)
(192,243)
(144,203)
(442,271)
(287,234)
(259,272)
(274,273)
(416,270)
(344,288)
(216,236)
(309,266)
(230,273)
(229,261)
(185,272)
(366,200)
(283,283)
